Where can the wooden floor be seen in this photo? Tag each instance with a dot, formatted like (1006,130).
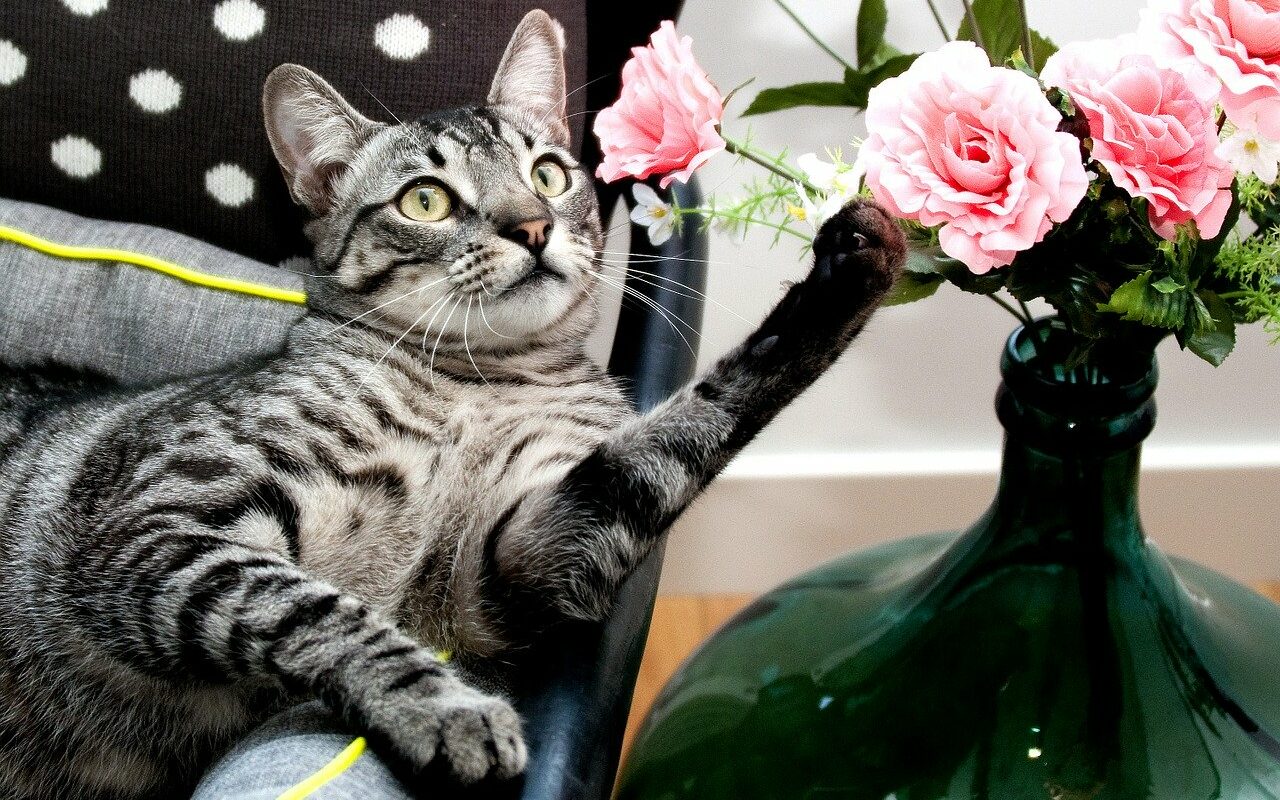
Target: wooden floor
(682,622)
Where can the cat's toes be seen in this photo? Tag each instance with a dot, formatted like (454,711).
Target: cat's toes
(482,739)
(862,242)
(451,735)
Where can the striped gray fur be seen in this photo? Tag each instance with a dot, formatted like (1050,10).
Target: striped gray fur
(433,463)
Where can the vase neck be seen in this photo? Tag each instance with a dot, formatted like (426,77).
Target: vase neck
(1069,495)
(1073,444)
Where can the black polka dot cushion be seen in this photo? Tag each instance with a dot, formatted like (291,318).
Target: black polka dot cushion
(149,110)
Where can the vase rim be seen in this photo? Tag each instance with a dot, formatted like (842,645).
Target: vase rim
(1122,382)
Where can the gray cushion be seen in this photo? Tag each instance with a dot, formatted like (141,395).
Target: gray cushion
(128,322)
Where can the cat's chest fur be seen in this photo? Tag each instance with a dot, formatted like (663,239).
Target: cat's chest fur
(406,528)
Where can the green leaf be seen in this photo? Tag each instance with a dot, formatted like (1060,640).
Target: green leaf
(872,19)
(912,286)
(1138,301)
(957,273)
(1000,22)
(1206,250)
(1041,48)
(890,68)
(1018,61)
(1216,343)
(1167,285)
(861,82)
(883,53)
(926,260)
(820,93)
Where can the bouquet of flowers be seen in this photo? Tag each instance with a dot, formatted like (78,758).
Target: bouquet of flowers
(1130,183)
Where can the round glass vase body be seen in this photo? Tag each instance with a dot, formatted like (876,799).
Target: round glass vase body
(1050,651)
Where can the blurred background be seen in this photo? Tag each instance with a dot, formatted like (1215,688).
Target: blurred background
(900,438)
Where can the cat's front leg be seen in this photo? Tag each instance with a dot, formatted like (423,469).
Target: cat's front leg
(566,551)
(197,604)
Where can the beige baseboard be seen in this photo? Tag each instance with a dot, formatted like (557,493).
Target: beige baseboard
(770,517)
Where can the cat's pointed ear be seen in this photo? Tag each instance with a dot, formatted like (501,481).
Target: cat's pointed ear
(314,132)
(531,76)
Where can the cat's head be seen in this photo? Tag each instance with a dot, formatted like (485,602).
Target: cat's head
(476,218)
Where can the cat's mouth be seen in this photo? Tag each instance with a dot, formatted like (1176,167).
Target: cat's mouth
(538,273)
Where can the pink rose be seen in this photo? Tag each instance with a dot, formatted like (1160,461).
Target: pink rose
(1153,129)
(974,148)
(667,121)
(1238,40)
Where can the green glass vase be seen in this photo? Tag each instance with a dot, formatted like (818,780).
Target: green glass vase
(1050,651)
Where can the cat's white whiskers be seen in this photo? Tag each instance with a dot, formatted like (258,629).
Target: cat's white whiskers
(431,363)
(666,315)
(466,323)
(369,372)
(652,257)
(439,305)
(383,305)
(639,275)
(543,122)
(486,322)
(378,100)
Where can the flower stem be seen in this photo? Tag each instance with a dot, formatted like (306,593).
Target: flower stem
(942,26)
(814,36)
(1026,35)
(1008,308)
(742,151)
(973,24)
(711,211)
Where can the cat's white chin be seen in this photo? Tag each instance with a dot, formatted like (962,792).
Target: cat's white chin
(528,309)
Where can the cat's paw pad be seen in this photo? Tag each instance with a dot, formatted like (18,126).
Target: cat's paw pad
(860,242)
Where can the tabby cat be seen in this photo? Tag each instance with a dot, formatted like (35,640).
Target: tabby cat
(432,463)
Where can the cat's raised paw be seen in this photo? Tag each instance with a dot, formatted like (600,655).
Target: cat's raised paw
(860,242)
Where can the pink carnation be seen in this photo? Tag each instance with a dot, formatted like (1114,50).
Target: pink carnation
(1153,129)
(974,148)
(1237,40)
(667,121)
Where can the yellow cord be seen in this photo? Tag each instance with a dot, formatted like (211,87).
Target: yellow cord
(150,262)
(340,764)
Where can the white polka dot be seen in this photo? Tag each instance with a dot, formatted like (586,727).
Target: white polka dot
(229,185)
(13,64)
(76,156)
(402,36)
(85,8)
(155,90)
(239,19)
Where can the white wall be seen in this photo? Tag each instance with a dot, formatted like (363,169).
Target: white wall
(904,421)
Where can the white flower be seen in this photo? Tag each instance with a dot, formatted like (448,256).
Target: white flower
(1250,152)
(652,212)
(828,176)
(815,213)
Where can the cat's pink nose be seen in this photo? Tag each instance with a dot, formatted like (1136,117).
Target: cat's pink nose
(531,233)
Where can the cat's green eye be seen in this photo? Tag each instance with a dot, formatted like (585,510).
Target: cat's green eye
(426,202)
(549,178)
